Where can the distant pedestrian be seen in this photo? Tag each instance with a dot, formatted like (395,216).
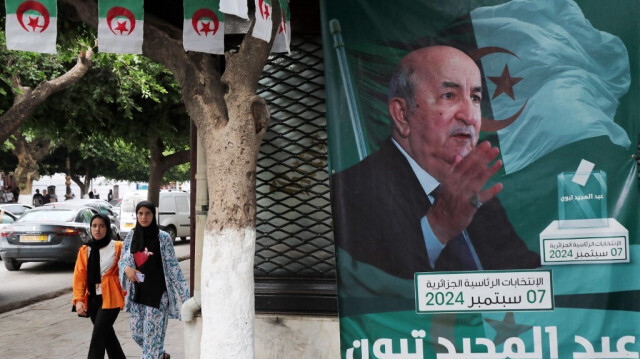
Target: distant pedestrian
(154,281)
(8,195)
(96,288)
(46,198)
(53,197)
(16,193)
(110,195)
(37,199)
(91,194)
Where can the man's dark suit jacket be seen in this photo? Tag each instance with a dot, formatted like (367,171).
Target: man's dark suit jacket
(377,207)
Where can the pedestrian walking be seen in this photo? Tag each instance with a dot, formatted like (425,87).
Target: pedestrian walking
(16,193)
(8,195)
(154,282)
(97,292)
(46,198)
(37,199)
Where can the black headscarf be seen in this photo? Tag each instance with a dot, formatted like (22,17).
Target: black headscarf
(140,233)
(93,265)
(150,291)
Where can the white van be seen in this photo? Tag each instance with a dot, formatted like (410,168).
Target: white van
(172,215)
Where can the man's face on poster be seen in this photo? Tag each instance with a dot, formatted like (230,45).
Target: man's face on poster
(445,120)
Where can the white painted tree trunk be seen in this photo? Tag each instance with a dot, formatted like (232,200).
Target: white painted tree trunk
(25,199)
(227,294)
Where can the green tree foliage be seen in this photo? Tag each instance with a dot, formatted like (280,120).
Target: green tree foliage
(107,120)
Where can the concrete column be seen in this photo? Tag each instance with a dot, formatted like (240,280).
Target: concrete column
(193,328)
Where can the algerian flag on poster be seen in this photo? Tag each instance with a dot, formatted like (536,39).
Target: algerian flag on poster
(283,36)
(552,59)
(32,25)
(203,28)
(235,7)
(120,26)
(263,26)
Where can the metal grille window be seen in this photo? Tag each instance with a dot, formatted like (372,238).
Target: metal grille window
(294,261)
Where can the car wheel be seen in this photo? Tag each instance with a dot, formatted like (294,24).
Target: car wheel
(12,264)
(172,233)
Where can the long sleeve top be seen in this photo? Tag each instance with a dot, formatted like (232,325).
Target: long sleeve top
(112,292)
(177,288)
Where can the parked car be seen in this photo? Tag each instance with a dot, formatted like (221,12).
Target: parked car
(173,214)
(99,205)
(115,202)
(45,234)
(6,218)
(15,208)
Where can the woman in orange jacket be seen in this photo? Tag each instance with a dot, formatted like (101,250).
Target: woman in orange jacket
(96,288)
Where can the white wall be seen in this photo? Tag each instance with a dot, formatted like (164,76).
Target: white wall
(282,337)
(100,184)
(292,337)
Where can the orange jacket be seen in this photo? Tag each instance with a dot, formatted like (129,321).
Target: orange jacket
(112,293)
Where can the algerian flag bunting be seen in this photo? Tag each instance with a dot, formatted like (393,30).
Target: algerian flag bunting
(263,26)
(120,26)
(235,7)
(31,25)
(203,28)
(283,36)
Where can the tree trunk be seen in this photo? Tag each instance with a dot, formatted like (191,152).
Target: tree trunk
(28,154)
(227,288)
(159,164)
(84,185)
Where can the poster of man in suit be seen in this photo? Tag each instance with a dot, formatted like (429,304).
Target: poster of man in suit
(449,134)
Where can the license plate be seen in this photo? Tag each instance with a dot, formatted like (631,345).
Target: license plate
(33,238)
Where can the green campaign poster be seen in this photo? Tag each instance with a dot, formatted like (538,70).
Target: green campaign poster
(484,186)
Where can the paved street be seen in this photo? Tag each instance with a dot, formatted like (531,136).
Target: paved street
(36,281)
(48,329)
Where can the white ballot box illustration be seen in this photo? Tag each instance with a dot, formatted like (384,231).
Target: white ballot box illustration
(592,245)
(583,232)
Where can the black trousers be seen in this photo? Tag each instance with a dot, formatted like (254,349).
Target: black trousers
(103,336)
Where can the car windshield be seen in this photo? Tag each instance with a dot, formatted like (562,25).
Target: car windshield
(53,215)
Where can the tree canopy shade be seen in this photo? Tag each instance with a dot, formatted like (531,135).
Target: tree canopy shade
(8,161)
(127,110)
(49,75)
(126,101)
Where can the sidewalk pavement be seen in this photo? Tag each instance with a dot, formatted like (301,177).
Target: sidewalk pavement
(48,329)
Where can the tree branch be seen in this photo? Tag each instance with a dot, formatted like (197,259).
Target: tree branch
(29,101)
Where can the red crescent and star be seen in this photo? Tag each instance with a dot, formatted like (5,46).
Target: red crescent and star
(283,25)
(264,6)
(504,85)
(198,15)
(34,21)
(121,26)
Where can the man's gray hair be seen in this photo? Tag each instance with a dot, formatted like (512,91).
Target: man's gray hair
(403,85)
